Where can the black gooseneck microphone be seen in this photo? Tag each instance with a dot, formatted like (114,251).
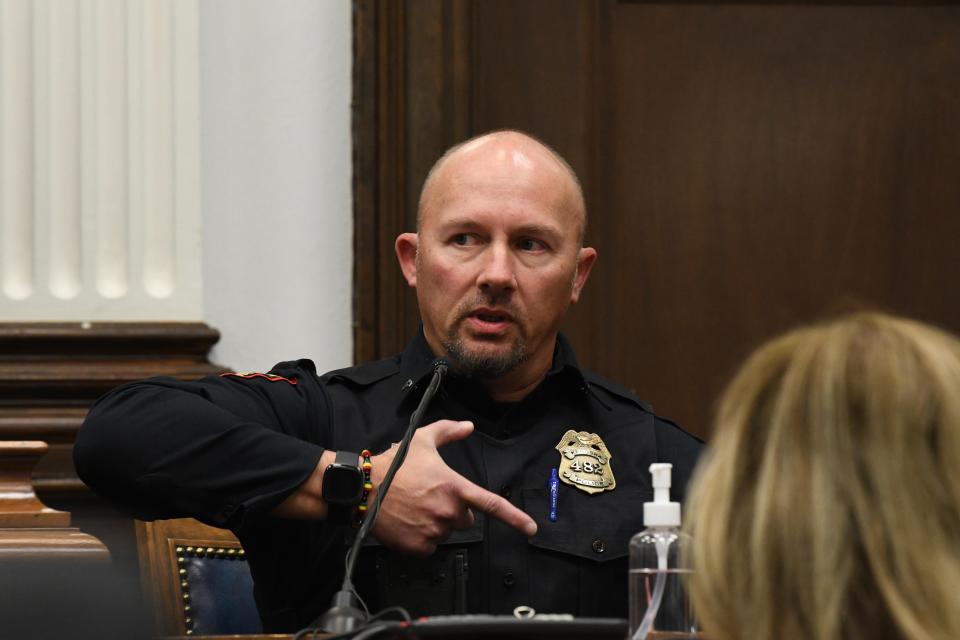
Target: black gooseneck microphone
(344,613)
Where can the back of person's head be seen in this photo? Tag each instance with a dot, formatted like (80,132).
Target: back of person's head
(829,504)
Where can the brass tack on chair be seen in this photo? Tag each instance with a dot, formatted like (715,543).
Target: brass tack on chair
(242,552)
(184,585)
(189,632)
(187,608)
(186,596)
(209,549)
(190,549)
(221,551)
(179,549)
(182,571)
(231,552)
(181,560)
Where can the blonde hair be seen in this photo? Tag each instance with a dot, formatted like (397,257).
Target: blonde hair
(829,505)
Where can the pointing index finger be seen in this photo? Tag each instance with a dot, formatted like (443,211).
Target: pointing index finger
(498,507)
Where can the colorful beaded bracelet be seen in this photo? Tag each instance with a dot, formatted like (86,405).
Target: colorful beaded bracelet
(366,467)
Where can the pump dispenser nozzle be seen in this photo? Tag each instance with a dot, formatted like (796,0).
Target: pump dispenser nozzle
(661,512)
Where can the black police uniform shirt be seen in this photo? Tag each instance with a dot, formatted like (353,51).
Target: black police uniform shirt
(228,449)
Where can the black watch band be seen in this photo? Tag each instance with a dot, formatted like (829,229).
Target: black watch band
(342,487)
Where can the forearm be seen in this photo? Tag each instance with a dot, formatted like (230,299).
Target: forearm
(307,502)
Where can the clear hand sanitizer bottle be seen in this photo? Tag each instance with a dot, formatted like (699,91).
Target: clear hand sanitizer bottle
(659,607)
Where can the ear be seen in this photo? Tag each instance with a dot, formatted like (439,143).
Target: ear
(585,259)
(406,248)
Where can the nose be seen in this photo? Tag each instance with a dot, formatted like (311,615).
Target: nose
(497,273)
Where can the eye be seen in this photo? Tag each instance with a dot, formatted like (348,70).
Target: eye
(462,239)
(531,244)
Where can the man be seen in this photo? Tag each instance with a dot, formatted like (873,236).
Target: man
(468,524)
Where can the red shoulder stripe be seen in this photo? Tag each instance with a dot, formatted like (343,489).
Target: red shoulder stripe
(266,376)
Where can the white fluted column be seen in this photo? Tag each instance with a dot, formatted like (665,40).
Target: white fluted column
(99,171)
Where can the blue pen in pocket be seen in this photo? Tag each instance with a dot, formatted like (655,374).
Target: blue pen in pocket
(554,486)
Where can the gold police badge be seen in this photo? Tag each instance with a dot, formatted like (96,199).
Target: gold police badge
(585,462)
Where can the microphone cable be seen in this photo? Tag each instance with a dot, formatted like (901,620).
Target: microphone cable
(343,615)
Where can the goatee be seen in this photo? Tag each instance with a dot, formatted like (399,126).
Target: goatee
(479,365)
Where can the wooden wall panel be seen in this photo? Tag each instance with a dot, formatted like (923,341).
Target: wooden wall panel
(747,166)
(769,164)
(412,70)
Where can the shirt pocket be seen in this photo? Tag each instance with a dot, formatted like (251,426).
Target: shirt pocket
(583,554)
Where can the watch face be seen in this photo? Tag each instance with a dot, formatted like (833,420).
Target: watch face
(342,484)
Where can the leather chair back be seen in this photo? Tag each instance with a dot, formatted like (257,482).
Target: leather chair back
(197,578)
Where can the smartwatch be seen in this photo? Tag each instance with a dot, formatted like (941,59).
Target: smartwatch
(342,487)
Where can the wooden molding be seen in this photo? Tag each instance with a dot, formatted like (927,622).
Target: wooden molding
(19,505)
(74,363)
(50,374)
(30,530)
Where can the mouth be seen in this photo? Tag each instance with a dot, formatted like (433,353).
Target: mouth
(485,320)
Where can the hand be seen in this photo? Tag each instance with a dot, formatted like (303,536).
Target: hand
(428,499)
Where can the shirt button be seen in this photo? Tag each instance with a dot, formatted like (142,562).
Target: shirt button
(509,579)
(506,491)
(598,545)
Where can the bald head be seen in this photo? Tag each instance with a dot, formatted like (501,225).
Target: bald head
(513,148)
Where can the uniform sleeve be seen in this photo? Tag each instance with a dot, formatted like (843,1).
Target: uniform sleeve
(222,449)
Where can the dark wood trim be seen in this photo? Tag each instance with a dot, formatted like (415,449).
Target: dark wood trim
(459,70)
(100,338)
(19,505)
(377,156)
(30,531)
(411,101)
(67,365)
(51,372)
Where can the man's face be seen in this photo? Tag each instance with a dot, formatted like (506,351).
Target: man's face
(496,261)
